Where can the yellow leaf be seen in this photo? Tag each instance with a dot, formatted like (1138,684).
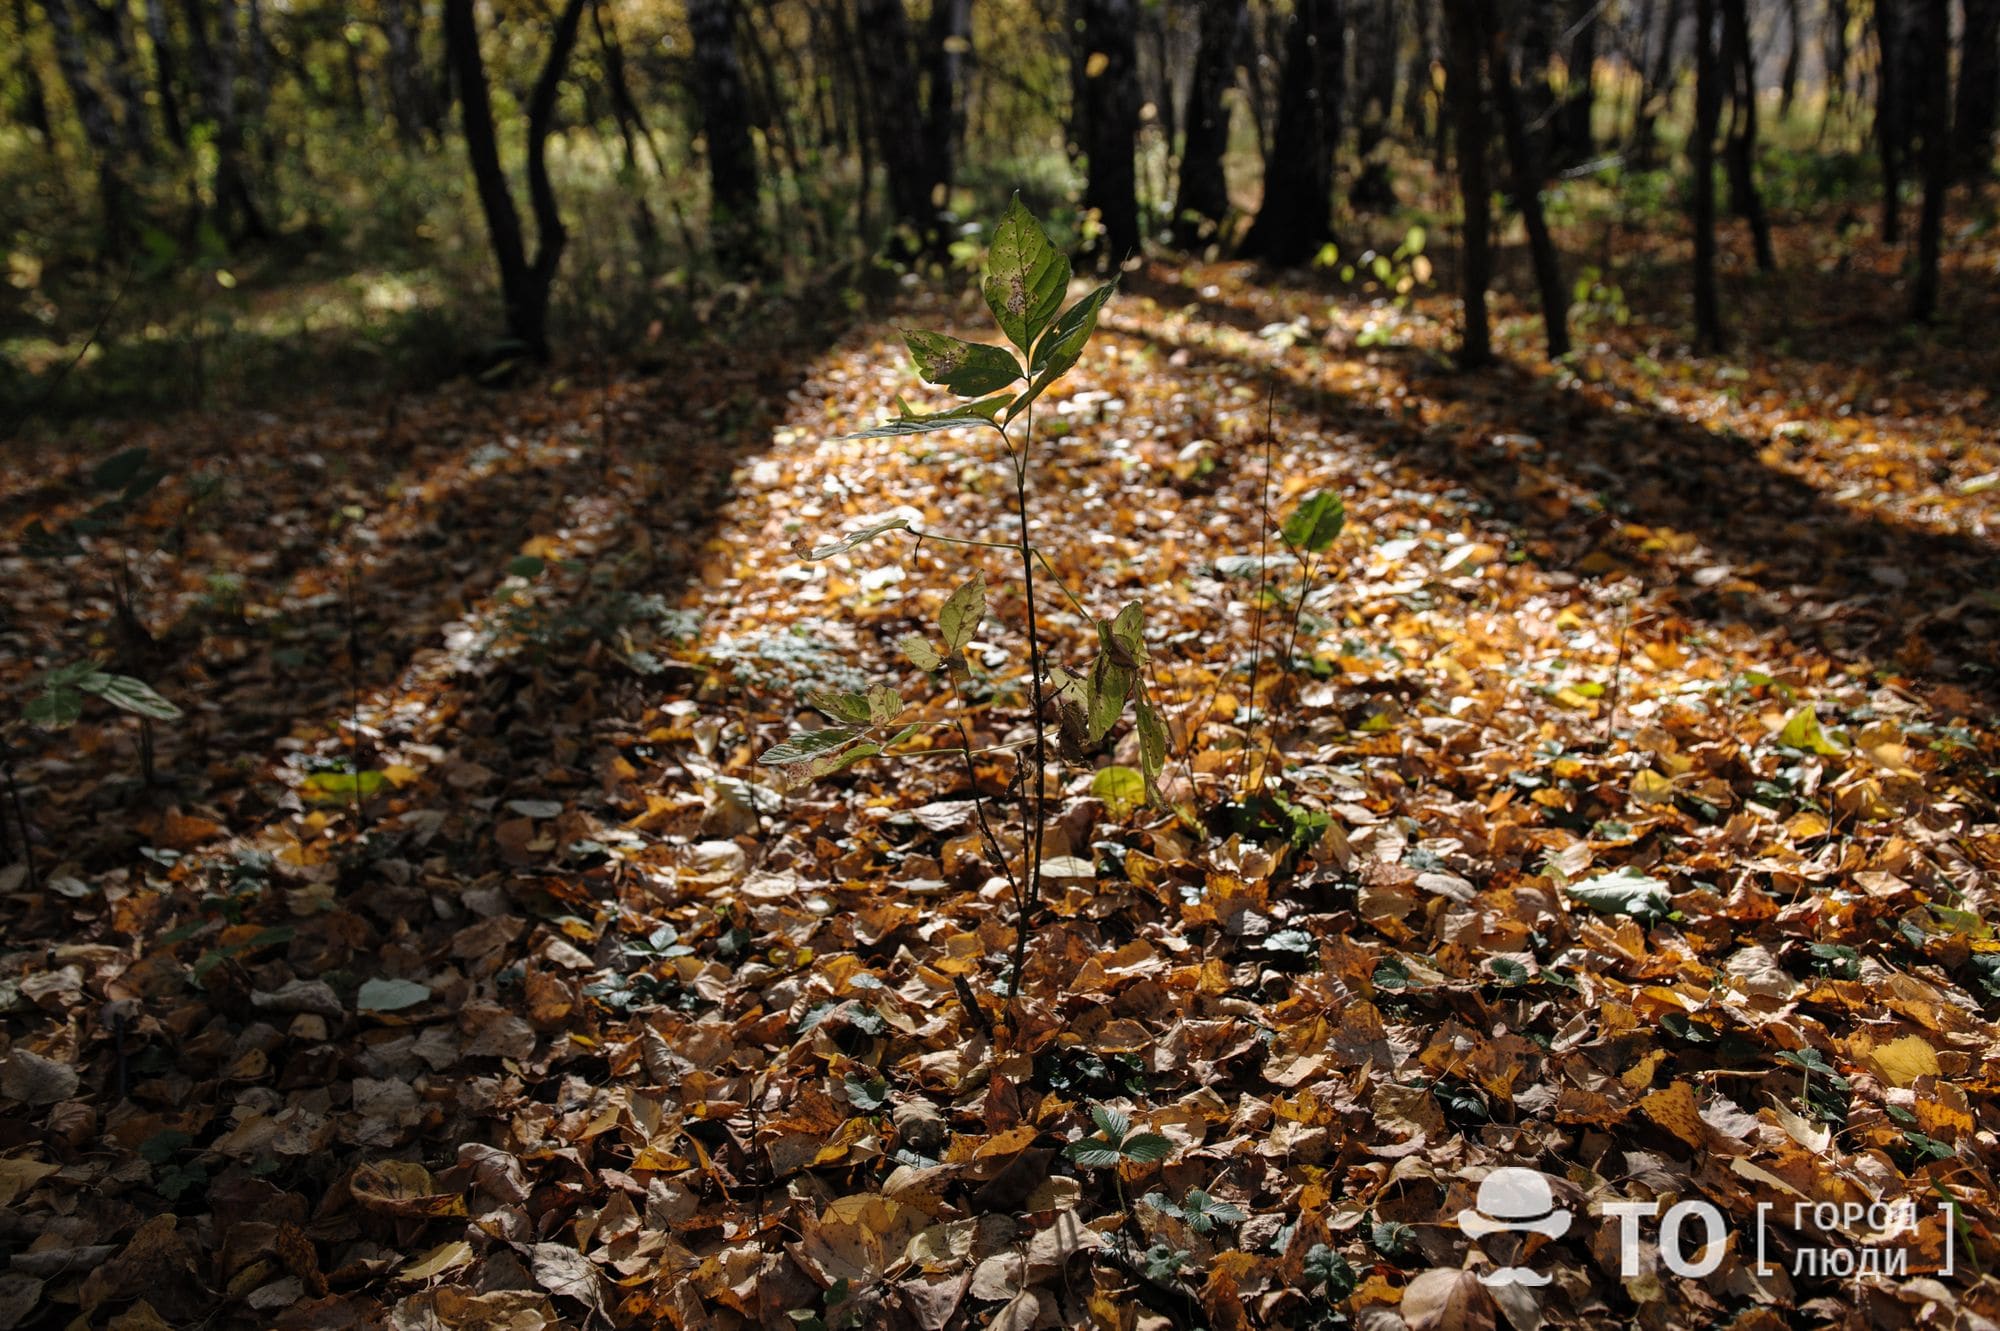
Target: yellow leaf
(1096,65)
(1901,1061)
(1649,787)
(444,1257)
(1803,731)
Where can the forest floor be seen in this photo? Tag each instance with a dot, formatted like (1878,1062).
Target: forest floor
(460,967)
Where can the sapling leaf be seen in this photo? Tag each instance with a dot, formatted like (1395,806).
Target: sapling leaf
(834,762)
(971,413)
(854,538)
(1128,635)
(850,708)
(131,695)
(1147,1148)
(1026,276)
(1152,743)
(970,369)
(920,652)
(55,709)
(809,745)
(1111,1122)
(962,613)
(1063,347)
(884,705)
(1315,524)
(1104,696)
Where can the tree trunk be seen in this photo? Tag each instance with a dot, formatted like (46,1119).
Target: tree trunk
(100,127)
(1526,183)
(108,17)
(1376,30)
(524,285)
(1658,91)
(1462,43)
(159,34)
(34,103)
(1701,160)
(1895,95)
(1417,74)
(409,93)
(1577,140)
(950,42)
(1937,155)
(1203,199)
(1978,90)
(1296,217)
(1741,150)
(725,123)
(1106,73)
(895,117)
(1788,77)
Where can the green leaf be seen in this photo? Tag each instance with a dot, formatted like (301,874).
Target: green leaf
(1152,742)
(920,652)
(390,995)
(834,762)
(1111,1122)
(1803,731)
(884,705)
(1147,1148)
(526,566)
(852,539)
(120,469)
(1063,347)
(962,614)
(811,744)
(342,787)
(849,708)
(1060,350)
(971,413)
(131,695)
(1625,892)
(1121,788)
(1315,524)
(1127,635)
(867,1094)
(1092,1153)
(1025,276)
(970,369)
(1104,696)
(55,709)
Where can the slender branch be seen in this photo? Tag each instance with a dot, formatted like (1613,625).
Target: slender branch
(1285,663)
(979,805)
(1263,548)
(1033,870)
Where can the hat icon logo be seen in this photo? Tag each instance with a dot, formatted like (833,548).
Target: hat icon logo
(1519,1201)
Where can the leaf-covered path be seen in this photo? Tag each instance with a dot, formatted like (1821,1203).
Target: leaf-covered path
(462,968)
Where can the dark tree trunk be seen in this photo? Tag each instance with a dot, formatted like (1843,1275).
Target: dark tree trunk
(1576,140)
(1462,45)
(1203,200)
(1108,120)
(895,118)
(1658,91)
(1374,189)
(108,17)
(631,130)
(1895,101)
(1526,182)
(1417,74)
(1296,217)
(524,284)
(159,33)
(950,42)
(1788,77)
(1701,161)
(409,92)
(1839,58)
(100,127)
(216,58)
(34,103)
(1740,152)
(725,123)
(1937,155)
(1978,90)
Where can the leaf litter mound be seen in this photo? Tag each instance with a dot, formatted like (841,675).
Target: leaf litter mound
(464,969)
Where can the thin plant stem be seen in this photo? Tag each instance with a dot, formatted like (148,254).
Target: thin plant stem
(978,804)
(1263,570)
(1285,662)
(1033,870)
